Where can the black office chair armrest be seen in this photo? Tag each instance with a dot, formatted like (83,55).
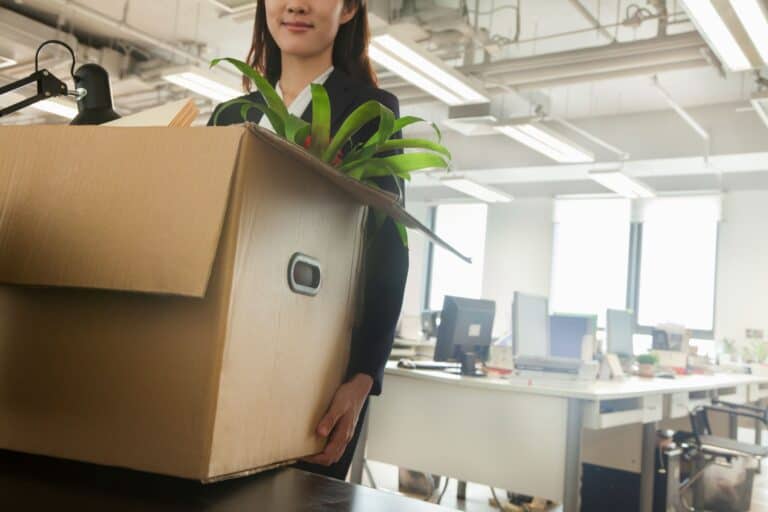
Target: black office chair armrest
(737,411)
(749,408)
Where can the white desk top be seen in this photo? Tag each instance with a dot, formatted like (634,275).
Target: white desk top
(585,390)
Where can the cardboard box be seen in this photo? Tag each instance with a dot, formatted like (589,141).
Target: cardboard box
(146,314)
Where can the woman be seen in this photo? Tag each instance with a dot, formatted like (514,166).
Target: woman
(296,42)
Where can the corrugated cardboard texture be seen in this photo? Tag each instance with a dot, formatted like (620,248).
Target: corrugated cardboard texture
(121,379)
(122,209)
(285,353)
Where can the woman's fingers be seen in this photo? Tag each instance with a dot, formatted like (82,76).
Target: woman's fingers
(326,425)
(337,443)
(340,438)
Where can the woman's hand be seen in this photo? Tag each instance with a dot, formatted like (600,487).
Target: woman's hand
(338,424)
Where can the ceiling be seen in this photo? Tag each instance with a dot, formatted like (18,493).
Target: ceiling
(597,78)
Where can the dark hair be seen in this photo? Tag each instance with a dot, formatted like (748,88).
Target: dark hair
(350,48)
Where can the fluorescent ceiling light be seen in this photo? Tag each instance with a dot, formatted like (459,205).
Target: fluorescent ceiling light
(415,77)
(622,184)
(432,77)
(760,104)
(712,26)
(233,7)
(203,83)
(546,142)
(56,106)
(476,190)
(6,62)
(471,126)
(753,16)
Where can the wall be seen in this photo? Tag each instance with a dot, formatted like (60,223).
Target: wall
(742,276)
(518,254)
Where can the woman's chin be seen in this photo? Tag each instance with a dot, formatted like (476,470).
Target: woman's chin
(300,49)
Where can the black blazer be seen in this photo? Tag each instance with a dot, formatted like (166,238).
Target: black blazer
(386,259)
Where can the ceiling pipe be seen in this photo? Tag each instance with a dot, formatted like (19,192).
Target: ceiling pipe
(592,19)
(700,131)
(132,31)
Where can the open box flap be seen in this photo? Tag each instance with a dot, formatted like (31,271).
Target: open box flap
(136,209)
(369,196)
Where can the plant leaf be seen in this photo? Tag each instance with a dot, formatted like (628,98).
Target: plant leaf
(413,143)
(400,123)
(372,168)
(321,120)
(379,217)
(414,162)
(351,125)
(224,106)
(402,232)
(262,84)
(293,127)
(302,134)
(438,132)
(386,125)
(274,118)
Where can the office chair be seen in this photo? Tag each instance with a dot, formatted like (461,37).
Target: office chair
(719,471)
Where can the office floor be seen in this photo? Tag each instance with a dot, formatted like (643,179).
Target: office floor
(478,496)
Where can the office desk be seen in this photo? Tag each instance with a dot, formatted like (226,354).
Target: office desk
(29,482)
(412,348)
(522,434)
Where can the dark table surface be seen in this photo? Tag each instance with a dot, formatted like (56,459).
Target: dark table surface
(29,482)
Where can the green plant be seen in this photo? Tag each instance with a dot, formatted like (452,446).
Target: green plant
(647,359)
(729,346)
(361,161)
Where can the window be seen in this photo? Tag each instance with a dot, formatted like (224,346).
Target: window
(678,262)
(462,226)
(590,256)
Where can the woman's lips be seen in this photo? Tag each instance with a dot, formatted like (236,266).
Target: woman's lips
(297,26)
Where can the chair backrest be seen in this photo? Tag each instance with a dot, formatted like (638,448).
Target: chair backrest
(700,422)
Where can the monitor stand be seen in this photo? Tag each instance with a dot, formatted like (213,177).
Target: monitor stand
(468,368)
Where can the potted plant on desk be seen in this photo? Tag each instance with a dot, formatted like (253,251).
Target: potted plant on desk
(647,364)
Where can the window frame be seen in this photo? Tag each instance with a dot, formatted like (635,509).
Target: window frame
(633,286)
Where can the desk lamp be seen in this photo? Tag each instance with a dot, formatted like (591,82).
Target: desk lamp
(92,90)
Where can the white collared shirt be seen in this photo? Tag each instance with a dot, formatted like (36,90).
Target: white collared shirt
(301,102)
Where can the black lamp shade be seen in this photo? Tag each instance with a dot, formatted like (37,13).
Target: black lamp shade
(96,106)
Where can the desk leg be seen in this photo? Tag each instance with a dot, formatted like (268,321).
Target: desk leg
(648,467)
(733,426)
(572,484)
(358,459)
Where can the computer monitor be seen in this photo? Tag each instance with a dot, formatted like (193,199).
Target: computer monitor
(464,333)
(620,330)
(429,322)
(671,337)
(530,325)
(567,331)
